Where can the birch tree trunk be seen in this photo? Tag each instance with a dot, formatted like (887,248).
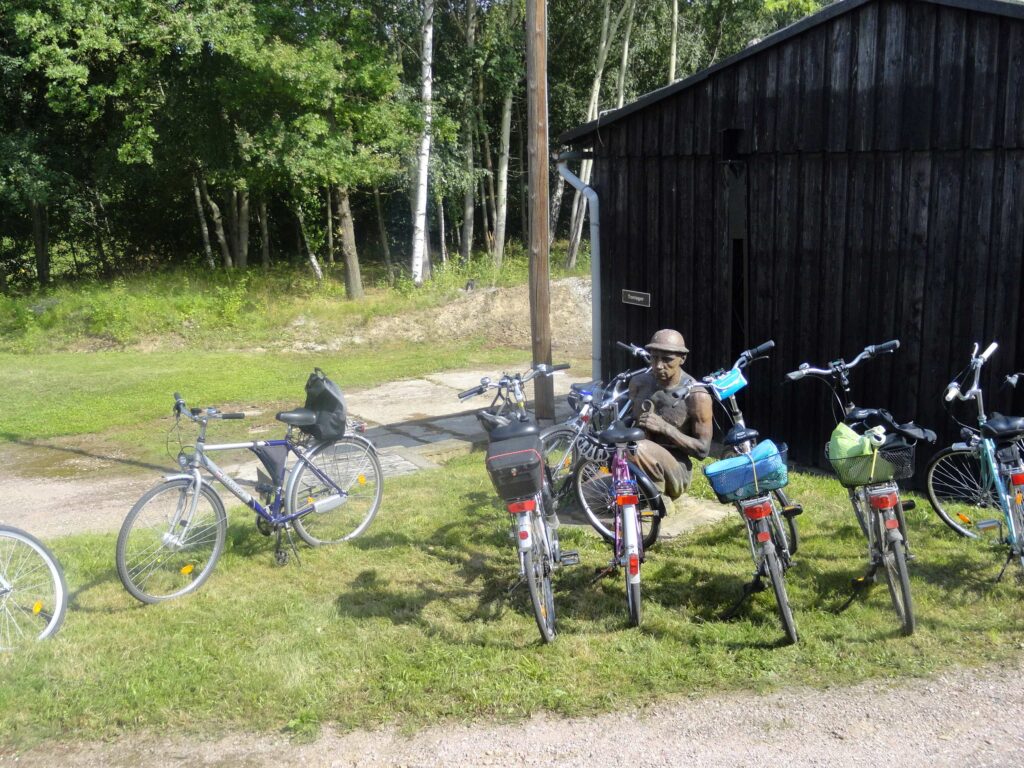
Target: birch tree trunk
(624,62)
(382,231)
(242,247)
(353,277)
(419,230)
(556,209)
(502,193)
(673,49)
(442,233)
(305,241)
(218,224)
(41,241)
(207,250)
(469,196)
(330,228)
(264,235)
(231,224)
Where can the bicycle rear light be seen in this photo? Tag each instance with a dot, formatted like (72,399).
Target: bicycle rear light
(892,523)
(634,565)
(757,510)
(1017,478)
(763,536)
(883,499)
(527,505)
(627,499)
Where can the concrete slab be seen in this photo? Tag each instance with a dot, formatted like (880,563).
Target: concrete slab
(692,513)
(400,401)
(466,426)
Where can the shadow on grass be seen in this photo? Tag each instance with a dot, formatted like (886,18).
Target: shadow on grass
(17,439)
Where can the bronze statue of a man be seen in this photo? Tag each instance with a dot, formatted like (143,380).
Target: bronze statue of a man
(674,409)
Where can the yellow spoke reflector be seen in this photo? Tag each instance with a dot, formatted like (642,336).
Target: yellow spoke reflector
(37,607)
(964,518)
(187,569)
(310,499)
(604,471)
(361,479)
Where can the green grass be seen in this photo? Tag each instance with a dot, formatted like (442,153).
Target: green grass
(411,625)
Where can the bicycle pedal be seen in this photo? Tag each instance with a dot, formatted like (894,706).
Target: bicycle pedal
(569,557)
(909,504)
(281,557)
(793,510)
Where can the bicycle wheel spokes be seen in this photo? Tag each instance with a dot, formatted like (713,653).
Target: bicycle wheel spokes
(166,550)
(895,568)
(958,493)
(346,476)
(560,456)
(33,595)
(538,579)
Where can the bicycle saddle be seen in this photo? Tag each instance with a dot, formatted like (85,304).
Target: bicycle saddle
(619,433)
(299,417)
(1001,427)
(739,434)
(514,429)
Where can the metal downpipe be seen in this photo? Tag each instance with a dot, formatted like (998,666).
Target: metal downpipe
(595,253)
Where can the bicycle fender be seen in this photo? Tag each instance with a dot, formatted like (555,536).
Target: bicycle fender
(649,488)
(524,538)
(960,447)
(187,476)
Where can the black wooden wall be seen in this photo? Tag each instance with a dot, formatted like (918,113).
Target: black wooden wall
(859,181)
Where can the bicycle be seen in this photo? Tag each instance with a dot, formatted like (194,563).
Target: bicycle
(515,464)
(33,593)
(983,471)
(869,451)
(753,481)
(172,538)
(579,463)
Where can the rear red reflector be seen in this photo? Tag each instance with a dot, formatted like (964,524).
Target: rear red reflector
(1017,479)
(522,506)
(886,500)
(894,523)
(763,536)
(757,511)
(524,535)
(626,500)
(634,565)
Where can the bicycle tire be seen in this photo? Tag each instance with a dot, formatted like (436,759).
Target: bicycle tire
(956,491)
(633,594)
(778,579)
(152,562)
(561,456)
(894,565)
(794,533)
(538,568)
(33,592)
(593,490)
(352,466)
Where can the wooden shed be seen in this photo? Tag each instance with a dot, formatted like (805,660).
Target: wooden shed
(855,177)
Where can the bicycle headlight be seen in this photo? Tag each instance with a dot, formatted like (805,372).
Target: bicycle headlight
(183,459)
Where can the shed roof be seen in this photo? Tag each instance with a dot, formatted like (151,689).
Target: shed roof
(1010,8)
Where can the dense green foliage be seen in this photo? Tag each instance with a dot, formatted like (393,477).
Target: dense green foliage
(116,115)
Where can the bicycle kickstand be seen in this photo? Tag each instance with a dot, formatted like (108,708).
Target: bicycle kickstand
(280,553)
(1002,570)
(600,573)
(752,587)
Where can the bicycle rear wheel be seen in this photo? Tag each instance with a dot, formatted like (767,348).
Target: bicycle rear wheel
(632,568)
(33,593)
(594,490)
(561,456)
(343,475)
(164,550)
(778,579)
(959,491)
(894,564)
(538,568)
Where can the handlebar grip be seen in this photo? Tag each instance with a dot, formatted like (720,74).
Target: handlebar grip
(795,375)
(232,416)
(627,347)
(989,350)
(761,349)
(885,346)
(471,392)
(560,367)
(951,391)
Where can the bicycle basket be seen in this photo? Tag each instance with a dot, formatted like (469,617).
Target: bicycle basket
(750,474)
(894,462)
(324,398)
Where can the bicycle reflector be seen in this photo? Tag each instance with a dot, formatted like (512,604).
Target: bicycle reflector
(1017,478)
(626,499)
(37,607)
(517,507)
(634,565)
(883,499)
(755,510)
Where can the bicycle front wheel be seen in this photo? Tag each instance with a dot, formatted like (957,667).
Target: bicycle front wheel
(33,593)
(894,563)
(958,490)
(167,548)
(778,579)
(345,477)
(560,455)
(594,490)
(537,564)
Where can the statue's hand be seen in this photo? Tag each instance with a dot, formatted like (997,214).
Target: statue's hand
(652,422)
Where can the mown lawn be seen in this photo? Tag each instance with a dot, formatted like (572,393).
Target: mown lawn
(412,624)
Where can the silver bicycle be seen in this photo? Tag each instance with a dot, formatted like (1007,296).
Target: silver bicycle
(33,593)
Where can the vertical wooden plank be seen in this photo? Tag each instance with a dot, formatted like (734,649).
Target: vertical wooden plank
(865,86)
(685,121)
(948,116)
(669,218)
(668,112)
(809,298)
(782,310)
(761,222)
(721,341)
(1003,315)
(766,104)
(744,117)
(860,322)
(840,75)
(983,85)
(812,90)
(702,118)
(687,301)
(723,105)
(892,89)
(703,354)
(973,256)
(788,106)
(919,76)
(837,169)
(1013,99)
(888,214)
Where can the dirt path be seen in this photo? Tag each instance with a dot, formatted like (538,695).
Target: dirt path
(961,718)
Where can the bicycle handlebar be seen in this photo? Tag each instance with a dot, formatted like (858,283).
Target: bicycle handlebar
(506,381)
(636,351)
(195,414)
(836,367)
(988,351)
(759,351)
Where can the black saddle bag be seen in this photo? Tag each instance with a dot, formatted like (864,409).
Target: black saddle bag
(516,467)
(324,398)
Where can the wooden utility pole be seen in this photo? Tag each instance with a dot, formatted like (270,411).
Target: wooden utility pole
(537,150)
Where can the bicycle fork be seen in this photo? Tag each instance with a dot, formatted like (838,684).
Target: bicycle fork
(173,538)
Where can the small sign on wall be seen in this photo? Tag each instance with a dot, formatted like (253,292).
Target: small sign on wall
(636,298)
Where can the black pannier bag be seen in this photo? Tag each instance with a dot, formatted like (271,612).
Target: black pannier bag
(516,467)
(324,398)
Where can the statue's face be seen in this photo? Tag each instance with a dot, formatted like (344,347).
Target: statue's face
(666,367)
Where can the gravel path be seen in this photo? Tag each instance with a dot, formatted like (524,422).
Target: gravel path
(962,718)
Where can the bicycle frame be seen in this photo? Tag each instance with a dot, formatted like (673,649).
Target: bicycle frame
(628,553)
